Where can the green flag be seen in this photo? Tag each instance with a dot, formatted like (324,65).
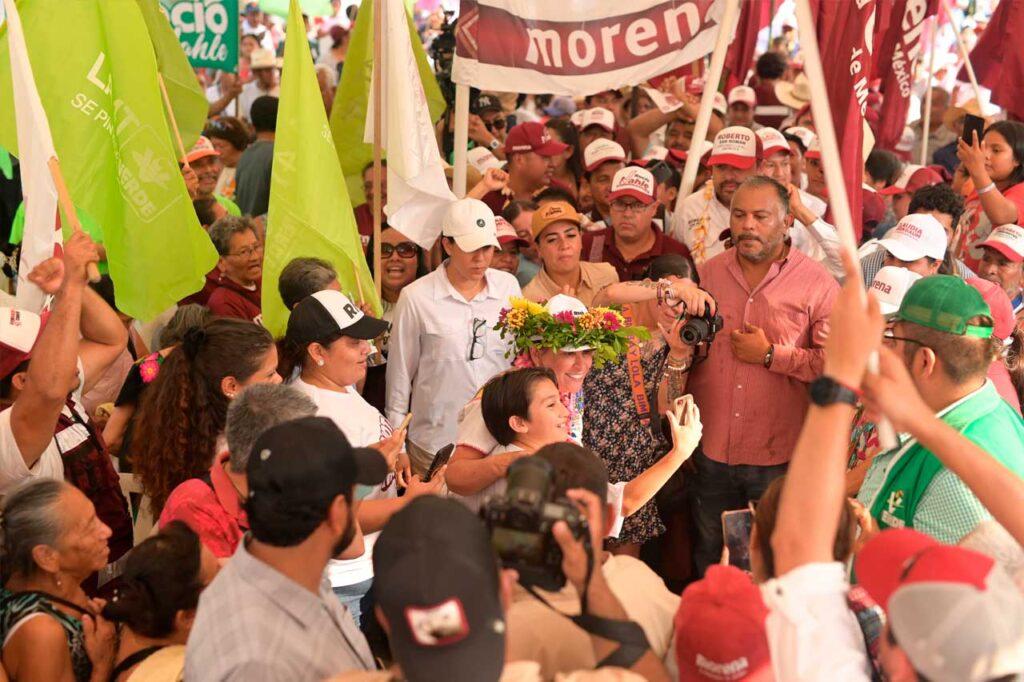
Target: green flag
(96,72)
(187,98)
(313,8)
(208,32)
(310,212)
(348,115)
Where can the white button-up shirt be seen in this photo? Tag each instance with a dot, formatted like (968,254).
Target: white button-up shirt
(699,222)
(443,349)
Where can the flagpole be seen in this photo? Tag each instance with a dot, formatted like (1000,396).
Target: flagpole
(461,139)
(64,197)
(833,171)
(378,30)
(963,52)
(711,80)
(174,123)
(926,128)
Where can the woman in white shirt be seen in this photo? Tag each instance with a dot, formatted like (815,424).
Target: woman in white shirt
(328,340)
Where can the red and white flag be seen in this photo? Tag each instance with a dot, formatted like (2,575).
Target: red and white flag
(35,149)
(579,47)
(754,16)
(998,57)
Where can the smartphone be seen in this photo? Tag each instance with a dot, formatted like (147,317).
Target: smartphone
(736,527)
(440,459)
(973,124)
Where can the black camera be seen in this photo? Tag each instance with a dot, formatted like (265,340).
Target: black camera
(520,523)
(702,329)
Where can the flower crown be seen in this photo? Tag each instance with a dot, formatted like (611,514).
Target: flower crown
(531,325)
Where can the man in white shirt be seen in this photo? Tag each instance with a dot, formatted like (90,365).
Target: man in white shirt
(702,217)
(443,345)
(264,67)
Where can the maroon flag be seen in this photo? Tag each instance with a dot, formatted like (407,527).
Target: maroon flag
(998,58)
(843,34)
(898,52)
(755,15)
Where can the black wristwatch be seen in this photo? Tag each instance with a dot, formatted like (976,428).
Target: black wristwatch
(827,391)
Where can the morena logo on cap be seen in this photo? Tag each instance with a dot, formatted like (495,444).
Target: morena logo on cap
(881,286)
(912,231)
(632,178)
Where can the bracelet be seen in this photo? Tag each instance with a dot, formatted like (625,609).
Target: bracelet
(661,293)
(769,356)
(987,188)
(676,368)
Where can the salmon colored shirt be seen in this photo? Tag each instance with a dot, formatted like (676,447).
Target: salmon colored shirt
(753,415)
(212,510)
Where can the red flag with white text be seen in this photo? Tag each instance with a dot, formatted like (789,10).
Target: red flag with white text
(754,16)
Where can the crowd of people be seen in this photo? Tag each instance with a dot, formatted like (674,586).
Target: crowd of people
(735,467)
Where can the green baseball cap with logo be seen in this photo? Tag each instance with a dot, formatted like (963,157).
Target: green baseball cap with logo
(945,303)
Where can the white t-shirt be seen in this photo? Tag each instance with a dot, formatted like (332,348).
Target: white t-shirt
(699,221)
(363,425)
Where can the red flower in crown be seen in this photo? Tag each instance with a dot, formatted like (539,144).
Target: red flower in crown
(566,317)
(611,321)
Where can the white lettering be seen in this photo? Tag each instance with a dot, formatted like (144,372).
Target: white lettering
(672,21)
(178,17)
(544,45)
(860,91)
(607,46)
(637,33)
(584,57)
(94,75)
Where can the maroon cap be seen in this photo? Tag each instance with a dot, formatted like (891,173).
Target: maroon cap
(912,179)
(872,208)
(532,137)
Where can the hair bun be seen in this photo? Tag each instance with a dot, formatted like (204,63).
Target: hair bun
(192,341)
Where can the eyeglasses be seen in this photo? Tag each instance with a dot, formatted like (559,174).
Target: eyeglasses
(889,338)
(497,124)
(628,207)
(476,346)
(248,252)
(404,249)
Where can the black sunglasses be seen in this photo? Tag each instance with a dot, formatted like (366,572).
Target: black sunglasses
(404,249)
(496,124)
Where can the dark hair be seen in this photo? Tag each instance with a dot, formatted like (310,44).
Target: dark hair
(421,257)
(757,181)
(1013,132)
(508,395)
(766,516)
(338,35)
(226,227)
(185,317)
(7,382)
(576,467)
(368,166)
(293,353)
(1014,361)
(204,210)
(161,577)
(263,114)
(567,132)
(883,166)
(229,129)
(771,65)
(942,199)
(517,208)
(556,193)
(790,137)
(302,277)
(183,411)
(30,518)
(962,358)
(671,264)
(105,288)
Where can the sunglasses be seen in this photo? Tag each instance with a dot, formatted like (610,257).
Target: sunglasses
(496,124)
(404,249)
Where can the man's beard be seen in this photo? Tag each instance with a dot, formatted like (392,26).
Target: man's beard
(346,537)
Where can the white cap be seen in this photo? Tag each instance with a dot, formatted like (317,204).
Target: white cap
(907,140)
(633,181)
(916,236)
(735,146)
(598,116)
(772,141)
(891,285)
(601,150)
(482,159)
(744,94)
(718,104)
(656,153)
(471,224)
(562,303)
(813,148)
(1007,240)
(806,135)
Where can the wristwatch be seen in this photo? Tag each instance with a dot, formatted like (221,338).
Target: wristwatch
(827,391)
(493,144)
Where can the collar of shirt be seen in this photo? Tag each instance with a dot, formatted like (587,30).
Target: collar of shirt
(657,248)
(225,490)
(286,594)
(734,269)
(443,287)
(549,285)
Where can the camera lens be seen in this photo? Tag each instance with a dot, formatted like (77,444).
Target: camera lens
(529,479)
(695,331)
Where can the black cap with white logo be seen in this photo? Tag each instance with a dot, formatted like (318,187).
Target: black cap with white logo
(329,313)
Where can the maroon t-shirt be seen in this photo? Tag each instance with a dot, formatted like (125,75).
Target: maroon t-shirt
(203,295)
(599,247)
(231,299)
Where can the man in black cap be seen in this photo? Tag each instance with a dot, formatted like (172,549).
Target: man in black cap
(488,125)
(270,614)
(443,597)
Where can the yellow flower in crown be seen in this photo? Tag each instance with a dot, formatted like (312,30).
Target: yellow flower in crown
(589,321)
(515,318)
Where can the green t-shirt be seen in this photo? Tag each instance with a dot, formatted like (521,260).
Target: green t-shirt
(91,227)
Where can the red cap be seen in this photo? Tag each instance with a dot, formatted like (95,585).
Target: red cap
(19,331)
(719,629)
(872,208)
(532,137)
(1000,305)
(736,146)
(912,179)
(633,181)
(507,234)
(1007,240)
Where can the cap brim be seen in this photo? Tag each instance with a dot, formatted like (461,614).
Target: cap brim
(734,160)
(900,250)
(513,240)
(366,328)
(768,151)
(201,154)
(887,309)
(476,240)
(881,563)
(551,148)
(630,192)
(1005,250)
(892,189)
(602,126)
(371,467)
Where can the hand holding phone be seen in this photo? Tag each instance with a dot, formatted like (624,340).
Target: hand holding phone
(736,526)
(973,126)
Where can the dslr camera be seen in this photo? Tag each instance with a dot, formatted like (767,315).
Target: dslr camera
(520,522)
(701,329)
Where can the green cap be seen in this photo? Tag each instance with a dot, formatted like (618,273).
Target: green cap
(945,303)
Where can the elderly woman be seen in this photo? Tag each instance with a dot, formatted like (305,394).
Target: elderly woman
(52,542)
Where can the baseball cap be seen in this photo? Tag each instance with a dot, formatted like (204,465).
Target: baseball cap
(813,148)
(915,236)
(720,628)
(705,147)
(328,313)
(482,159)
(486,102)
(743,94)
(1007,240)
(735,146)
(654,153)
(772,141)
(1000,306)
(562,105)
(601,151)
(891,285)
(201,149)
(930,591)
(437,582)
(532,136)
(562,304)
(507,234)
(632,181)
(945,303)
(296,469)
(719,105)
(872,209)
(598,116)
(470,222)
(553,212)
(911,179)
(19,330)
(805,135)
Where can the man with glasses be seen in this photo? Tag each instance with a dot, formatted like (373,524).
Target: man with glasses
(239,285)
(633,240)
(443,345)
(943,335)
(487,125)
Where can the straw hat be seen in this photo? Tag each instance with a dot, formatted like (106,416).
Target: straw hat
(264,59)
(954,115)
(796,94)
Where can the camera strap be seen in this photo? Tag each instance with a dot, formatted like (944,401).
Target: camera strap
(635,370)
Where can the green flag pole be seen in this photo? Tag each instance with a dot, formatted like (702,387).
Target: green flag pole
(64,198)
(170,116)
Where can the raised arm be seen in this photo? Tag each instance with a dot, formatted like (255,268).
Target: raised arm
(997,207)
(104,336)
